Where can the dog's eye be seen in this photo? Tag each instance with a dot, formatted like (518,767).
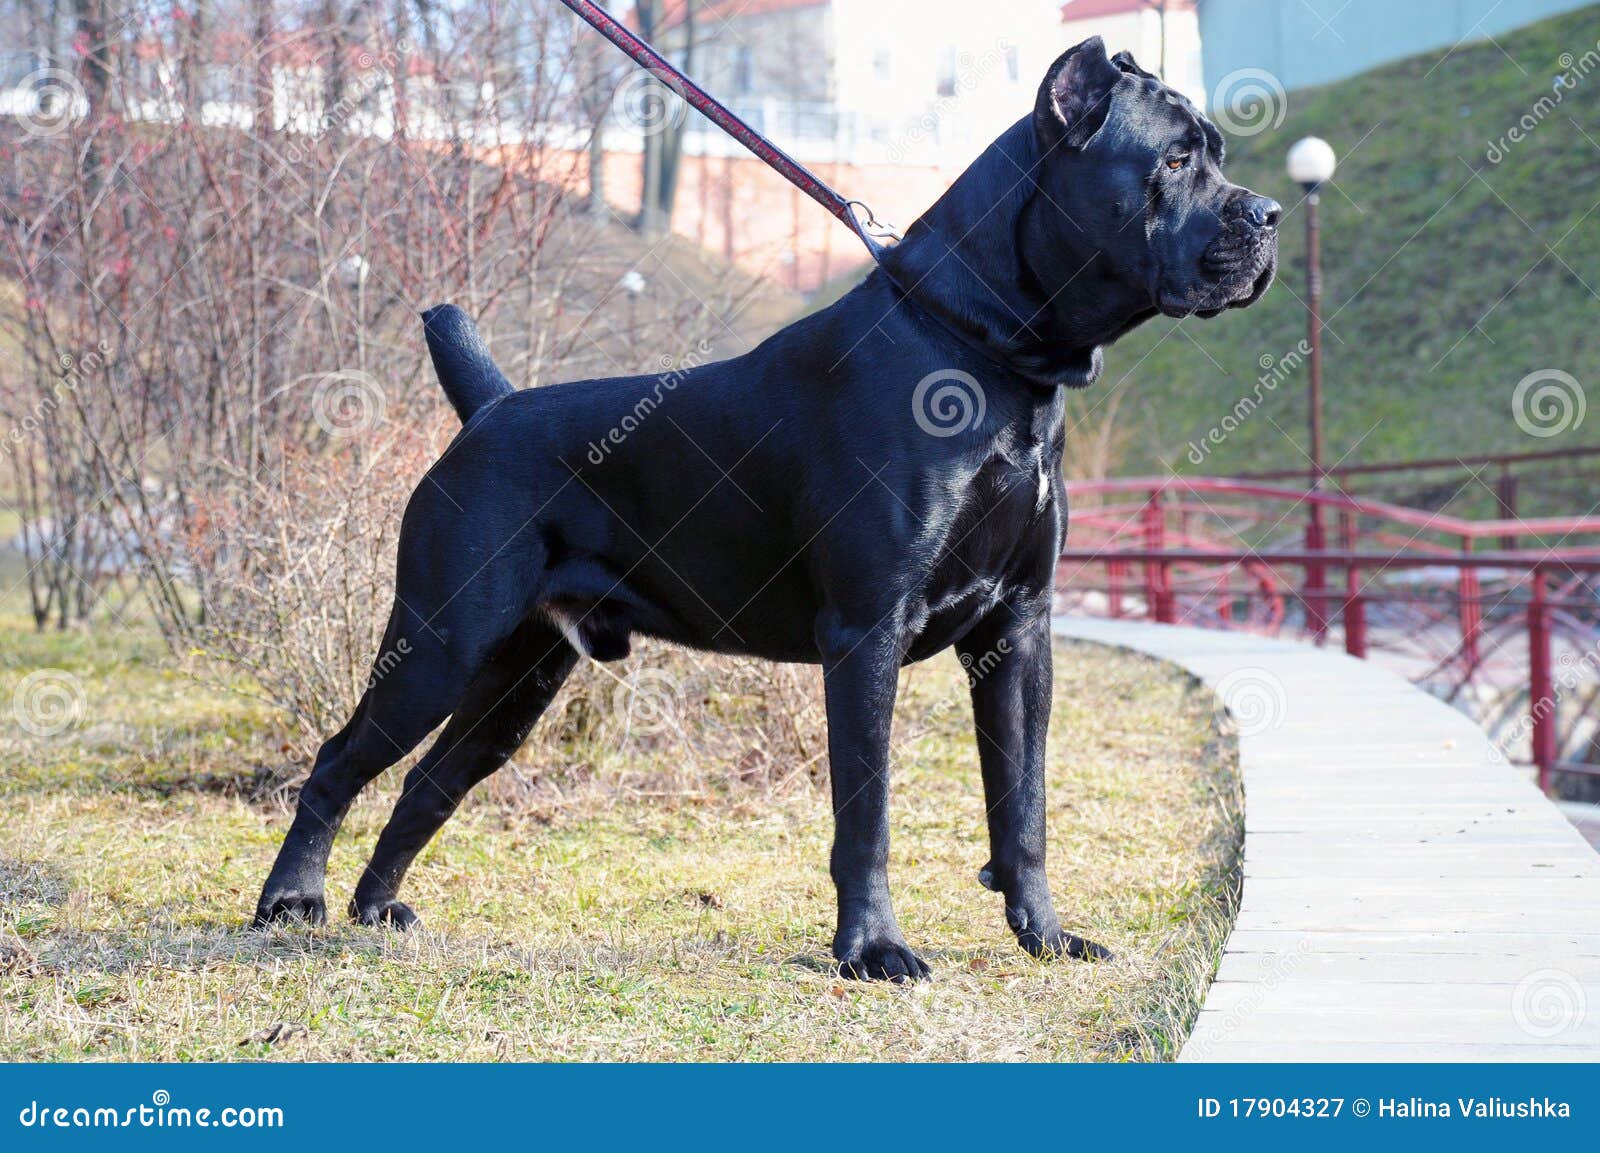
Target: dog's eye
(1177,163)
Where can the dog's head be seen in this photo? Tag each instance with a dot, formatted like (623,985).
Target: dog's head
(1130,184)
(1103,207)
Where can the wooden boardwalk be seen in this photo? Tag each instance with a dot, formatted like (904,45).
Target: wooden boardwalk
(1407,894)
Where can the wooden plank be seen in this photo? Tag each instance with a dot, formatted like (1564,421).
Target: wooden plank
(1392,967)
(1430,1026)
(1498,1005)
(1407,894)
(1369,1052)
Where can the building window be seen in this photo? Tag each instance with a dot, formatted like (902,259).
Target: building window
(744,70)
(949,63)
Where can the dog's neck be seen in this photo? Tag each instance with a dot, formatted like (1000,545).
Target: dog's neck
(961,262)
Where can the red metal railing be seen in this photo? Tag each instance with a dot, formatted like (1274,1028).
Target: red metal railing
(1556,478)
(1229,553)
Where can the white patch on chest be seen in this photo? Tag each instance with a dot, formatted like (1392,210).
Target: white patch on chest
(1044,488)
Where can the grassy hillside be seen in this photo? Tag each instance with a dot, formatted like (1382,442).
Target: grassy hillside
(1449,277)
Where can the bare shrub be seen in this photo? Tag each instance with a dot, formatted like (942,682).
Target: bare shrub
(301,576)
(213,388)
(673,723)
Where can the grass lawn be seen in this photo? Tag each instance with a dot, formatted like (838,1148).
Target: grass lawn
(593,923)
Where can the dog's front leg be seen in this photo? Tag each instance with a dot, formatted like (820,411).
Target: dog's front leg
(860,669)
(1008,661)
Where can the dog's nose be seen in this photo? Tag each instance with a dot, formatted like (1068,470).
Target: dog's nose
(1262,211)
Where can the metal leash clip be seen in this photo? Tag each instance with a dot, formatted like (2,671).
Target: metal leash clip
(873,227)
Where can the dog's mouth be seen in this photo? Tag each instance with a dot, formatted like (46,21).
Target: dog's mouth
(1235,272)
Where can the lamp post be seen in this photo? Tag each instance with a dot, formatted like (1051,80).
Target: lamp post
(1311,163)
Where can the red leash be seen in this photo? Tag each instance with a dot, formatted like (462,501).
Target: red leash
(715,111)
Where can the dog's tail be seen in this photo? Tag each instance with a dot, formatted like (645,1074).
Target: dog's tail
(462,360)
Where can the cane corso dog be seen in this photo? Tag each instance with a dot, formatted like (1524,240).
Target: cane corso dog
(876,483)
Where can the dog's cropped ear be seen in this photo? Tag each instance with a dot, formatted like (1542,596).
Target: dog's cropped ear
(1075,96)
(1126,63)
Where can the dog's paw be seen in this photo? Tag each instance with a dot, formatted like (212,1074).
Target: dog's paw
(880,959)
(289,907)
(384,914)
(1060,943)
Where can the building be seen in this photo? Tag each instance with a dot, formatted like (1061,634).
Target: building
(1162,35)
(1310,42)
(886,102)
(845,82)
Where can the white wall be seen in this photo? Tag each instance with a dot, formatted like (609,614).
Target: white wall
(936,81)
(1140,33)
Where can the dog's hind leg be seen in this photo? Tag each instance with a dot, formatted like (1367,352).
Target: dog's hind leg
(493,719)
(402,705)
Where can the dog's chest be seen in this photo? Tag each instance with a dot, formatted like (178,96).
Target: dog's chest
(1000,544)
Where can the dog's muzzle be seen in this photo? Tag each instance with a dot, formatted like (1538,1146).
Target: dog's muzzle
(1240,263)
(1237,266)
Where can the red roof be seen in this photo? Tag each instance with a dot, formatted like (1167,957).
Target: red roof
(1092,9)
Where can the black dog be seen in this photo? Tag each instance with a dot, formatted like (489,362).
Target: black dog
(872,485)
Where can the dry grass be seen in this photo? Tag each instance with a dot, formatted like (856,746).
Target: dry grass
(594,918)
